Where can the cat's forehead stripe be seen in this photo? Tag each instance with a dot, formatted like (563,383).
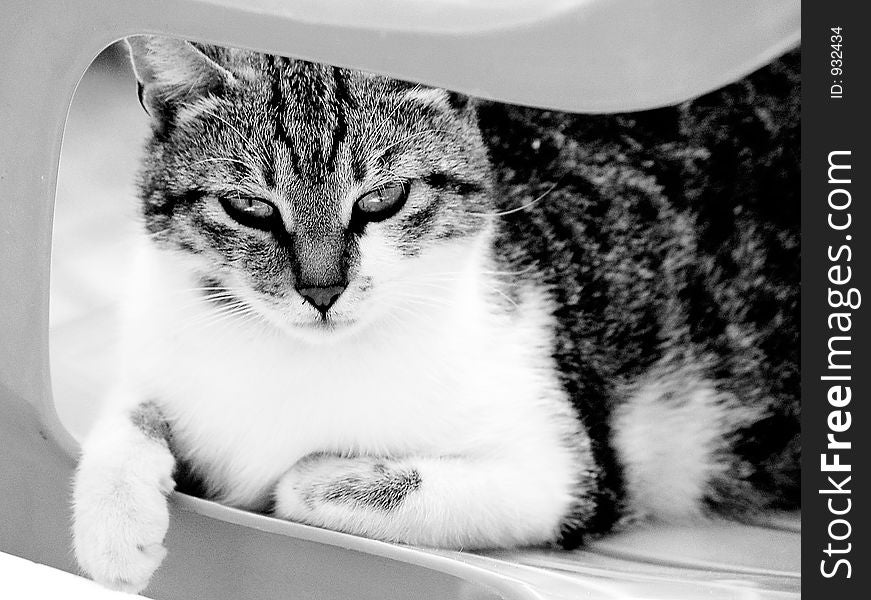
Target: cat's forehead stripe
(277,106)
(340,91)
(309,112)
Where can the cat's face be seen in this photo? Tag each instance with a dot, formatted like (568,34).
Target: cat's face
(321,199)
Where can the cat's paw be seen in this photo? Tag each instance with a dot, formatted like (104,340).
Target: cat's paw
(348,494)
(121,516)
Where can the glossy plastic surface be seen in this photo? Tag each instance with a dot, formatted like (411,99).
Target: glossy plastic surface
(589,55)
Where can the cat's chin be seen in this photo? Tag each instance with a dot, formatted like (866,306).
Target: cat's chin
(322,331)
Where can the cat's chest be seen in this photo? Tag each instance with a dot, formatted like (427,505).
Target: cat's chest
(246,403)
(315,398)
(233,389)
(246,406)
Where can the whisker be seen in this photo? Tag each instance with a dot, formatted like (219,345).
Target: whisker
(208,300)
(192,290)
(382,124)
(428,302)
(381,151)
(219,159)
(251,148)
(504,295)
(409,310)
(486,271)
(204,321)
(212,113)
(215,324)
(519,208)
(219,311)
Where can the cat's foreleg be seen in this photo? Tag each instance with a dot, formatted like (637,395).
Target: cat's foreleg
(451,502)
(120,510)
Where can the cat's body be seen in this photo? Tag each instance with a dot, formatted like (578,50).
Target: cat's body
(423,385)
(344,318)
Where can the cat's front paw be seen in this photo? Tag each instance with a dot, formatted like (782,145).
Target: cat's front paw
(121,516)
(356,495)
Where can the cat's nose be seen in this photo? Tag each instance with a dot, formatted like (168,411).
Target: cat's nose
(322,298)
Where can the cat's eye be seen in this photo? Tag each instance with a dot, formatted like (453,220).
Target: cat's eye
(250,212)
(381,203)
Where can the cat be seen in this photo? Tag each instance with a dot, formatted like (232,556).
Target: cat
(399,312)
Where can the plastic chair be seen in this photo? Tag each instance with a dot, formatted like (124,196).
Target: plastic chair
(581,55)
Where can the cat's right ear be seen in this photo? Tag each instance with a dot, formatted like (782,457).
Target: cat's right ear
(172,72)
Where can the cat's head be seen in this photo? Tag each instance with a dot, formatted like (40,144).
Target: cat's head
(322,199)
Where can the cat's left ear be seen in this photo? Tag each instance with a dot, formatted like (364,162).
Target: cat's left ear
(171,72)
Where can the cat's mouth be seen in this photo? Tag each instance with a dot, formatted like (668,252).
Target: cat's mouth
(325,327)
(327,324)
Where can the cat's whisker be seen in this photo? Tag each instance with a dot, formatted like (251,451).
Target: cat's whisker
(437,285)
(391,178)
(213,114)
(491,272)
(415,315)
(383,123)
(203,324)
(526,206)
(216,299)
(449,291)
(198,293)
(206,322)
(218,312)
(205,292)
(528,269)
(443,284)
(409,294)
(397,296)
(447,279)
(412,287)
(204,288)
(424,301)
(255,150)
(215,302)
(504,295)
(417,134)
(219,159)
(216,325)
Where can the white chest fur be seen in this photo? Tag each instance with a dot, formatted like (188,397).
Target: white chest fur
(247,402)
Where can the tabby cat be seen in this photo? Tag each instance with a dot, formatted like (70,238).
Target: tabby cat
(398,312)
